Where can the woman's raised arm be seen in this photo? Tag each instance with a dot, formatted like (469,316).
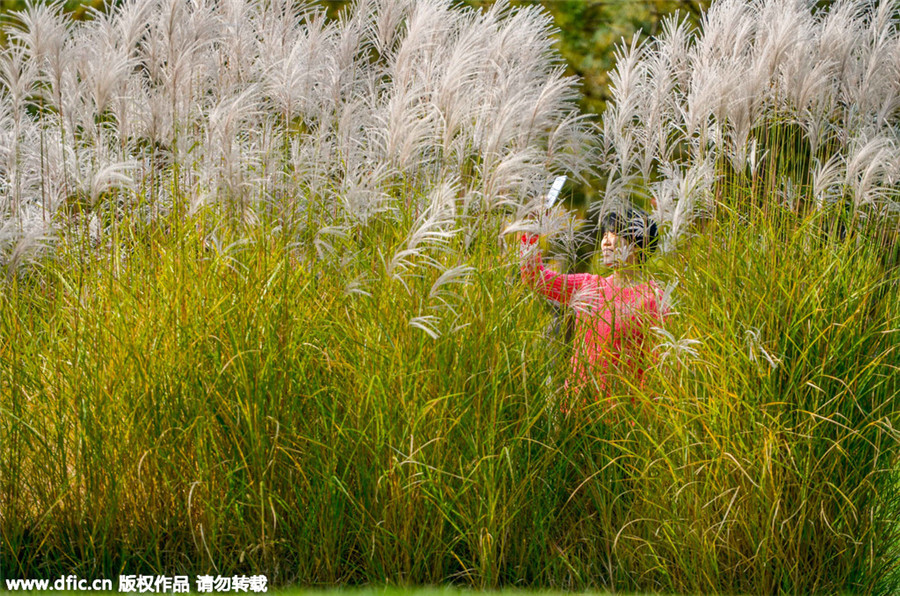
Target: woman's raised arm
(559,287)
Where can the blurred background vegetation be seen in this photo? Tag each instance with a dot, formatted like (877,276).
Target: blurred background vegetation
(78,8)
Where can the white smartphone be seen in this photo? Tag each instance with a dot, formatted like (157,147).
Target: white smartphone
(554,191)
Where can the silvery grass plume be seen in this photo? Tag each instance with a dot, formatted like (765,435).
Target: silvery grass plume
(254,107)
(671,349)
(764,92)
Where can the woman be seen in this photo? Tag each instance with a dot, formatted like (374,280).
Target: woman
(613,314)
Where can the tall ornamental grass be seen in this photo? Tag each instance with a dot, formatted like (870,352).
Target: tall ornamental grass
(274,327)
(234,409)
(418,115)
(779,101)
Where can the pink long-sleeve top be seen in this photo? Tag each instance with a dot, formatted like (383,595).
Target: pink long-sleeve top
(611,322)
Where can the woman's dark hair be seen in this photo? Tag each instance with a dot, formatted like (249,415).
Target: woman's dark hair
(634,225)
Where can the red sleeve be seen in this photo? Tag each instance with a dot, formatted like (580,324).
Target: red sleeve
(555,286)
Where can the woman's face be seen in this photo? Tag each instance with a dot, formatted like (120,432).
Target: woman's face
(616,250)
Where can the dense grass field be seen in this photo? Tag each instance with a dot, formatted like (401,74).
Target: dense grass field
(184,406)
(250,329)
